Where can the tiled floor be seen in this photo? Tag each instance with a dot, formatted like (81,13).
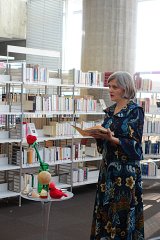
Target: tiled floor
(68,220)
(152,225)
(152,212)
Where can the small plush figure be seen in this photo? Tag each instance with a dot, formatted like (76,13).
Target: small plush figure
(27,189)
(44,177)
(43,194)
(54,192)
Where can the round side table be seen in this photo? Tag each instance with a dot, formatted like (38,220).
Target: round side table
(46,205)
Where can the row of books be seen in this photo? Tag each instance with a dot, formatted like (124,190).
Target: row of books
(147,81)
(28,72)
(14,183)
(149,105)
(150,147)
(54,128)
(39,102)
(151,126)
(90,78)
(87,104)
(149,168)
(59,129)
(49,155)
(48,103)
(53,154)
(32,103)
(67,128)
(36,73)
(59,103)
(144,103)
(78,174)
(143,84)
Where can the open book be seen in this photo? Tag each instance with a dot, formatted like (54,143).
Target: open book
(92,130)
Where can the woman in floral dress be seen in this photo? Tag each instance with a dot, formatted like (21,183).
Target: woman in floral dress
(118,210)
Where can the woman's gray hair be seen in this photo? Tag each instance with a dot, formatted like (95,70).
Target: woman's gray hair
(125,81)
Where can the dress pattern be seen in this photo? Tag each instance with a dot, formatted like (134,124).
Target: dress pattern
(118,210)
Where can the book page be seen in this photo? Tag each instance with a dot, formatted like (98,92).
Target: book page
(92,130)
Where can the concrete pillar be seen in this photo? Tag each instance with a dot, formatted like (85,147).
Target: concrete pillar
(109,35)
(12,19)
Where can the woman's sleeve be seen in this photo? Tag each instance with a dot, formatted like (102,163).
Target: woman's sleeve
(132,145)
(100,145)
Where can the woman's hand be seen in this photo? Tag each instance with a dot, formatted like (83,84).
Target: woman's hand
(101,135)
(108,135)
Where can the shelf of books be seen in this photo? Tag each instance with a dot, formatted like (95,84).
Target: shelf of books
(148,96)
(89,107)
(7,122)
(49,104)
(151,169)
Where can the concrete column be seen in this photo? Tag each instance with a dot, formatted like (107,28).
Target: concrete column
(109,35)
(12,19)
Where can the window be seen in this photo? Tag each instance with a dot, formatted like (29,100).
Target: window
(148,36)
(72,34)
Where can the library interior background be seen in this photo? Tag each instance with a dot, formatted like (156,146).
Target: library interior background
(55,60)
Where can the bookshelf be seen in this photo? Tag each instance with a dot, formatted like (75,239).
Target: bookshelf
(7,120)
(51,101)
(14,82)
(88,160)
(148,95)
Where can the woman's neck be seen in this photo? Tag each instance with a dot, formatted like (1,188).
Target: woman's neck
(121,104)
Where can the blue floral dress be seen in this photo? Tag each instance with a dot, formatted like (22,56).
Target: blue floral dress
(118,210)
